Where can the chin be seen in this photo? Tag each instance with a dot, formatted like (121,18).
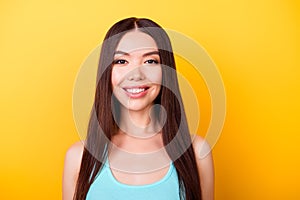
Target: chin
(137,108)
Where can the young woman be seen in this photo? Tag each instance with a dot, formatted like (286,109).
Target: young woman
(138,144)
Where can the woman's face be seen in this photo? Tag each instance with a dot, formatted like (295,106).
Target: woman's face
(136,74)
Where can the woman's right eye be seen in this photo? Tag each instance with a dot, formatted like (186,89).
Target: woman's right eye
(120,61)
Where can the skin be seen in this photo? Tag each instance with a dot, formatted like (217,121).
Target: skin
(136,65)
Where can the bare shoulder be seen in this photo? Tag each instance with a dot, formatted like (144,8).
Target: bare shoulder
(201,147)
(73,156)
(75,150)
(205,166)
(71,169)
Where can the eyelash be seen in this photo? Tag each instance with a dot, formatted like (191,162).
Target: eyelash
(118,61)
(153,61)
(122,61)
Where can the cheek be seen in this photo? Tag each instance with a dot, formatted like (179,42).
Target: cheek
(155,75)
(116,77)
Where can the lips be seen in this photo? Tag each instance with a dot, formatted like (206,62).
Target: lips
(137,91)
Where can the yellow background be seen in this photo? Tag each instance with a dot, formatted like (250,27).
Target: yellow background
(255,45)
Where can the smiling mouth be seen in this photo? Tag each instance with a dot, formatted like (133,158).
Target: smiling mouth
(136,90)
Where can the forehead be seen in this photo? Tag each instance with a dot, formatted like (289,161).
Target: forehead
(136,40)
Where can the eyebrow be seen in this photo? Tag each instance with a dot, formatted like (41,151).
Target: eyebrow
(121,52)
(144,55)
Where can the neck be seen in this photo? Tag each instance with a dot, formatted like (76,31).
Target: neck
(142,123)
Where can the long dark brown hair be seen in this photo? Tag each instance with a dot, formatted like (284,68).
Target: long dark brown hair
(102,125)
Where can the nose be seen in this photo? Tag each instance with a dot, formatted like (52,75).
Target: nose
(136,74)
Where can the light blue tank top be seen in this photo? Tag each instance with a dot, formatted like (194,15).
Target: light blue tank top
(106,187)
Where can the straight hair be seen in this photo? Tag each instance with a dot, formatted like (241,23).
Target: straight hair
(104,114)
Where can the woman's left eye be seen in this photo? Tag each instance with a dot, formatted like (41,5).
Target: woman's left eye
(151,61)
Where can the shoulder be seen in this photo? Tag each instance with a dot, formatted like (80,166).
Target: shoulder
(203,153)
(73,156)
(71,169)
(205,166)
(201,147)
(75,150)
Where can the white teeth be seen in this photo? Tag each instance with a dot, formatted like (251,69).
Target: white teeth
(135,90)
